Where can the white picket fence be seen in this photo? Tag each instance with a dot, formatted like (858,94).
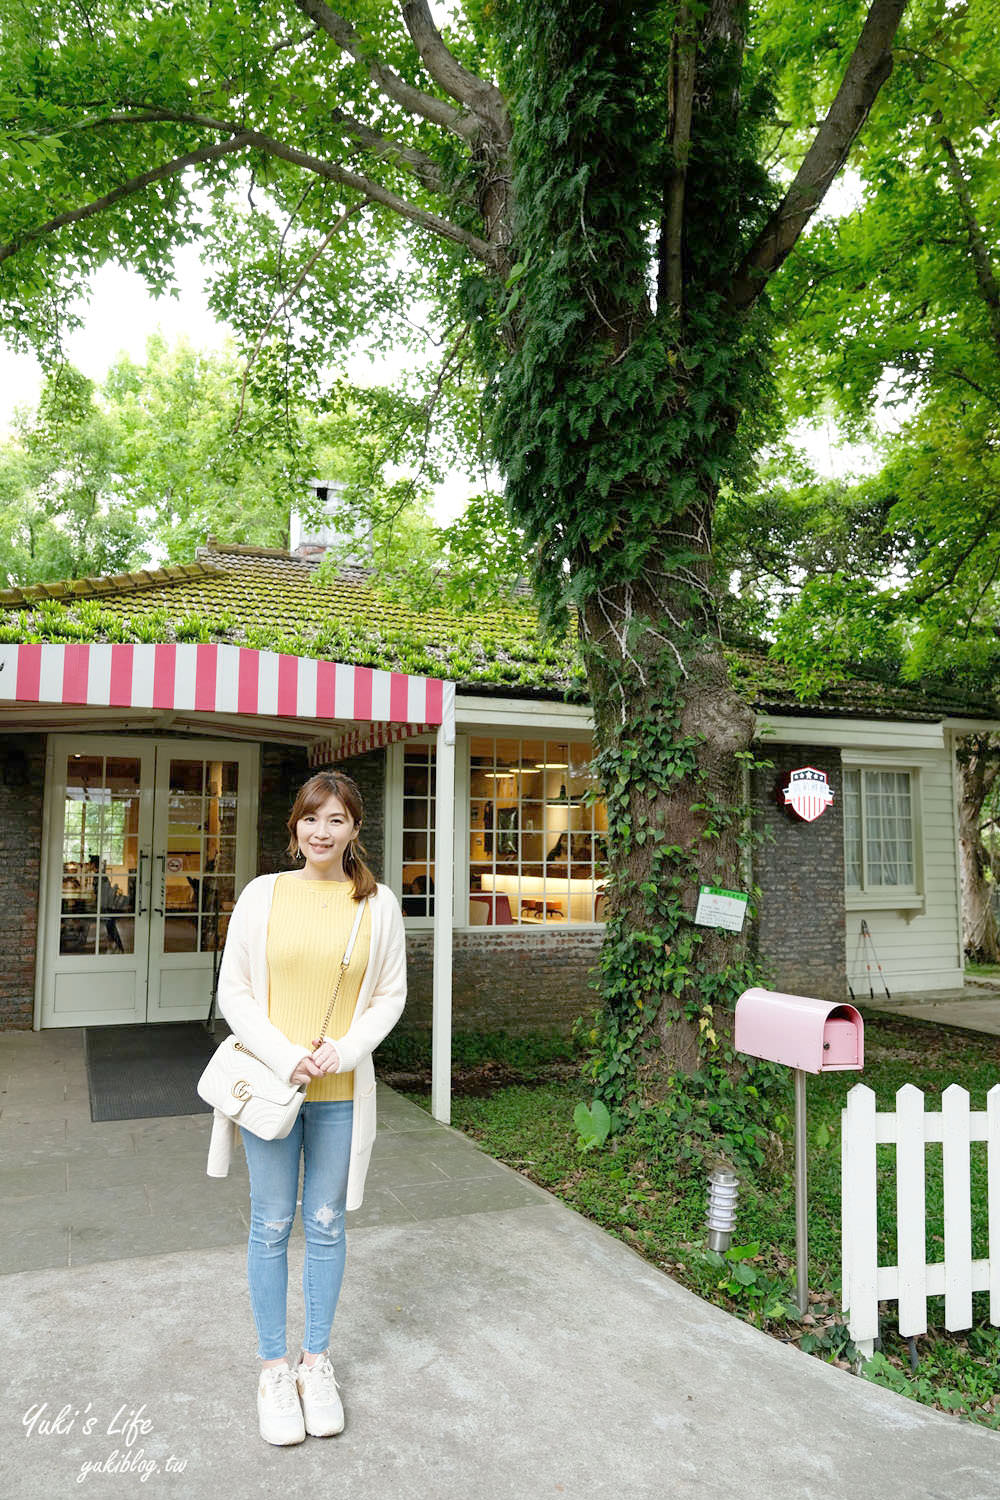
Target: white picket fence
(911,1281)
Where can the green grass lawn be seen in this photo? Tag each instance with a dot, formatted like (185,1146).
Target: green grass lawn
(982,971)
(520,1109)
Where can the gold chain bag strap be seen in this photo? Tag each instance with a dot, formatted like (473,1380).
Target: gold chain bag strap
(249,1092)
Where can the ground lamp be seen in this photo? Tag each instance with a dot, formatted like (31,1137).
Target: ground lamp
(809,1036)
(723,1187)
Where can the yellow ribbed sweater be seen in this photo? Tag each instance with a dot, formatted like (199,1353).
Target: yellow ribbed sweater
(307,933)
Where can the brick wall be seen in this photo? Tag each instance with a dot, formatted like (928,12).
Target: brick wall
(369,773)
(504,980)
(283,770)
(22,782)
(800,868)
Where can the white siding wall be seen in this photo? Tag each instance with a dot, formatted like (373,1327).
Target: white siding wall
(918,949)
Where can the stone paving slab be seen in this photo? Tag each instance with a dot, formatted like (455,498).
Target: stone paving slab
(491,1343)
(974,1008)
(517,1355)
(89,1191)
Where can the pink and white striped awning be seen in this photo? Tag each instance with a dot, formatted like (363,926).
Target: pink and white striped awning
(360,741)
(211,678)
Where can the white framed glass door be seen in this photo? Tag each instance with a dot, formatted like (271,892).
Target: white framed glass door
(195,865)
(149,843)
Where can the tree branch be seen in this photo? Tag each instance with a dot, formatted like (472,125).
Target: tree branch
(670,287)
(332,171)
(483,98)
(412,99)
(868,69)
(920,597)
(374,191)
(423,167)
(985,275)
(139,113)
(285,301)
(126,190)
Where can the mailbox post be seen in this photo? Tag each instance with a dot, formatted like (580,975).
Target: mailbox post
(809,1036)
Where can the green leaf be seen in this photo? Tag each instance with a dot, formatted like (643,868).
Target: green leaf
(593,1124)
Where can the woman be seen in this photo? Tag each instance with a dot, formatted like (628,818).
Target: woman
(288,936)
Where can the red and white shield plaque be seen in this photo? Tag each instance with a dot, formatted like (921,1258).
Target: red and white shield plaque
(807,793)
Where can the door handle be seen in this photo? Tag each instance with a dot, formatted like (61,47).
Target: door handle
(141,885)
(162,861)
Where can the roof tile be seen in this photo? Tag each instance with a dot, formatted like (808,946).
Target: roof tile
(265,597)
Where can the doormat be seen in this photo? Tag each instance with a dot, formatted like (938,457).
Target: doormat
(140,1072)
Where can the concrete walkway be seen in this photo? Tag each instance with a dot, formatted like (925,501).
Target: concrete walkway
(975,1007)
(490,1342)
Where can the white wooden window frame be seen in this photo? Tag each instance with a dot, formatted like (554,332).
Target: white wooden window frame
(908,898)
(394,827)
(393,832)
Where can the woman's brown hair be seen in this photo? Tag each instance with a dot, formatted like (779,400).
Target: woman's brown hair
(310,797)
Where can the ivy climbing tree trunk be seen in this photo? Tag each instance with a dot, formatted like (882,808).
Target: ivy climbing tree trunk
(622,406)
(675,741)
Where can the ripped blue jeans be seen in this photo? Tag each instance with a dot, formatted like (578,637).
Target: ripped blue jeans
(322,1135)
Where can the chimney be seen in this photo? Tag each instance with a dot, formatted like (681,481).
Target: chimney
(309,539)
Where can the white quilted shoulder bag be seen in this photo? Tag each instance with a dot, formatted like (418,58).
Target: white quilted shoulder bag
(243,1088)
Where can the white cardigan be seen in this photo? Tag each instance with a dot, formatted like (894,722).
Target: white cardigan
(243,997)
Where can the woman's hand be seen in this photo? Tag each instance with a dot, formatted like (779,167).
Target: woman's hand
(325,1055)
(306,1070)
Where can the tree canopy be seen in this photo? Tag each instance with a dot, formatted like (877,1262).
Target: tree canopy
(597,198)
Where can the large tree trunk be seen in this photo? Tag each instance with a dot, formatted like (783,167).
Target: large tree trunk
(979,763)
(671,734)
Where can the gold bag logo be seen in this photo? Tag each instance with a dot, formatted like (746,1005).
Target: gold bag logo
(242,1090)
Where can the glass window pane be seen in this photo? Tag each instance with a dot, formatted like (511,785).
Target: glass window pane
(182,885)
(122,776)
(220,856)
(218,892)
(414,846)
(84,774)
(116,934)
(180,934)
(416,781)
(187,776)
(415,812)
(418,890)
(77,935)
(852,828)
(221,777)
(227,816)
(213,932)
(186,812)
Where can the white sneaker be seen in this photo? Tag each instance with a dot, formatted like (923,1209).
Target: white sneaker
(321,1403)
(278,1408)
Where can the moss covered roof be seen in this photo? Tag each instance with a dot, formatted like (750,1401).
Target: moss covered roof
(262,597)
(269,599)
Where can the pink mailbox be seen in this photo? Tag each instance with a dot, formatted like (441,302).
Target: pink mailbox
(818,1036)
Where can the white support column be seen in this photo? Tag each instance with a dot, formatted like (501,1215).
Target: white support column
(444,879)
